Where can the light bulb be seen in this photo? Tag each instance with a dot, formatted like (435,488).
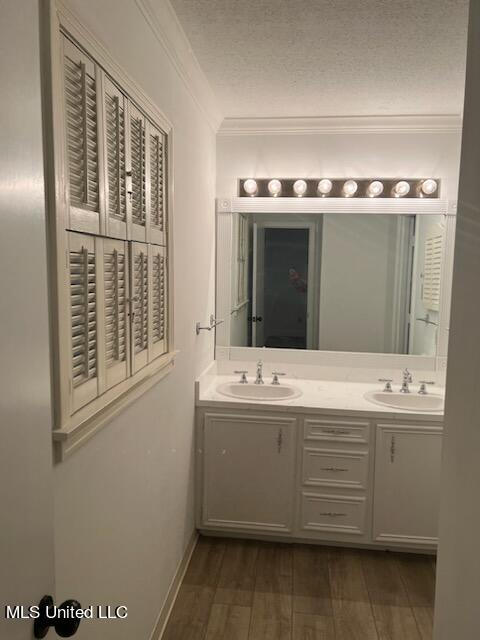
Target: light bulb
(429,186)
(250,187)
(274,187)
(350,188)
(375,189)
(401,189)
(300,187)
(324,186)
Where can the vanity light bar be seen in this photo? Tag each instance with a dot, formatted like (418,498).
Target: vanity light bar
(339,188)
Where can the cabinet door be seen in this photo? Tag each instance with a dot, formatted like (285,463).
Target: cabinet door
(156,179)
(138,198)
(83,130)
(114,114)
(248,472)
(407,484)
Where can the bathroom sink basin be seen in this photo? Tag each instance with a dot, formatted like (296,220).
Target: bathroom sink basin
(259,391)
(431,402)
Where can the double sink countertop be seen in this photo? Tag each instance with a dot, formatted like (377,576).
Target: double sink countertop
(316,396)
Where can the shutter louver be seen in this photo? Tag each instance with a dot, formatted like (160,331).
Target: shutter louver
(159,297)
(115,154)
(432,270)
(138,159)
(115,269)
(81,129)
(140,295)
(157,185)
(83,310)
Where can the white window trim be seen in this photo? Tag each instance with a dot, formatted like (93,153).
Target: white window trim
(70,432)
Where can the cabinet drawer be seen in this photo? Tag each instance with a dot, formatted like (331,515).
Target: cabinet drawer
(340,514)
(330,429)
(335,468)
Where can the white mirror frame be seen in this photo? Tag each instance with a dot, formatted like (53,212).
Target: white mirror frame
(226,207)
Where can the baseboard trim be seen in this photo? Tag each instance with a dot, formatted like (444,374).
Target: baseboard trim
(167,607)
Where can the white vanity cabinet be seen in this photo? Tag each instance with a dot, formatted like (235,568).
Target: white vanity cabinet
(407,483)
(346,478)
(248,472)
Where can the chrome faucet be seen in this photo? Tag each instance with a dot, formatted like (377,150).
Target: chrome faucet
(388,384)
(243,374)
(407,379)
(259,378)
(276,375)
(423,387)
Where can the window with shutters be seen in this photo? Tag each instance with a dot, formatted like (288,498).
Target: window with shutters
(112,225)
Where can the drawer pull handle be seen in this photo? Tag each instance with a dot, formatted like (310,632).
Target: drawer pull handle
(336,469)
(392,449)
(338,432)
(280,440)
(332,514)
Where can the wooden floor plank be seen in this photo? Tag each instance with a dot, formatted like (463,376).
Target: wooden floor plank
(311,582)
(274,568)
(354,620)
(395,622)
(347,580)
(204,567)
(312,627)
(271,617)
(237,574)
(384,583)
(424,618)
(228,622)
(191,611)
(246,590)
(418,578)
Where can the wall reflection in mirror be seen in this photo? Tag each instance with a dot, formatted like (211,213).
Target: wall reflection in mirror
(359,282)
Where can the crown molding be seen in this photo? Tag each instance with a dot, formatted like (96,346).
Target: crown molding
(74,27)
(170,35)
(341,125)
(168,31)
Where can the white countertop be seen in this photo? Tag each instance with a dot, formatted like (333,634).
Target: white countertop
(317,396)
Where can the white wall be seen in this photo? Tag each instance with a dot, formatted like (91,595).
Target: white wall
(356,301)
(458,573)
(338,155)
(124,501)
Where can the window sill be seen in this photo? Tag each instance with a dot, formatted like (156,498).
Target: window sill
(79,430)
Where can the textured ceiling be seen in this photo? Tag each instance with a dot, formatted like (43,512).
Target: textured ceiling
(267,58)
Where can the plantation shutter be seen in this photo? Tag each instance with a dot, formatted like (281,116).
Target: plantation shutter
(157,182)
(432,269)
(115,159)
(115,312)
(83,131)
(137,201)
(111,247)
(140,276)
(159,318)
(83,319)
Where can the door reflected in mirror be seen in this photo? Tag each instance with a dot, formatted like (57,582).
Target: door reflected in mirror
(337,282)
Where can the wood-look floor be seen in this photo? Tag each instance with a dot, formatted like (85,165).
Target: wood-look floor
(247,590)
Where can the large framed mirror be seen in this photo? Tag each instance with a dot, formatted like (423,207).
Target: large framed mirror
(349,281)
